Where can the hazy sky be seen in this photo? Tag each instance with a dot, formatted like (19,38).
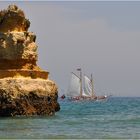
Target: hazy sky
(102,38)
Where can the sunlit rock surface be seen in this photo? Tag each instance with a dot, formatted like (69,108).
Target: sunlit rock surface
(13,19)
(25,89)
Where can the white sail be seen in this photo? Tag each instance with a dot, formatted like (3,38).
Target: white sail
(87,86)
(76,86)
(74,89)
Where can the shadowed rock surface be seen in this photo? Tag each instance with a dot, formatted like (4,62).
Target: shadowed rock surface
(22,96)
(25,89)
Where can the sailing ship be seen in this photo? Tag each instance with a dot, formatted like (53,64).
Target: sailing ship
(82,88)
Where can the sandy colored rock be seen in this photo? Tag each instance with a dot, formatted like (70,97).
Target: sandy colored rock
(13,19)
(23,96)
(18,45)
(24,87)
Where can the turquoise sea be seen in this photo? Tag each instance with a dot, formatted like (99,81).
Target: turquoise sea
(119,117)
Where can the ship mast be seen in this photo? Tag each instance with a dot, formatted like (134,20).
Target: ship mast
(80,70)
(92,88)
(81,83)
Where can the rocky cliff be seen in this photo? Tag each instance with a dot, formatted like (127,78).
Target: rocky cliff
(25,89)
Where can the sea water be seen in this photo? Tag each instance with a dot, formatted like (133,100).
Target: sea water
(118,117)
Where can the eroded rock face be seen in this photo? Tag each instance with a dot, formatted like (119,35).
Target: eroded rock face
(13,19)
(24,88)
(27,97)
(18,45)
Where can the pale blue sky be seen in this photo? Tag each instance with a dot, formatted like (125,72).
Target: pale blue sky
(101,37)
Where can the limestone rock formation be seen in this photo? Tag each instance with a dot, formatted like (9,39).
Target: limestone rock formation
(25,89)
(13,19)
